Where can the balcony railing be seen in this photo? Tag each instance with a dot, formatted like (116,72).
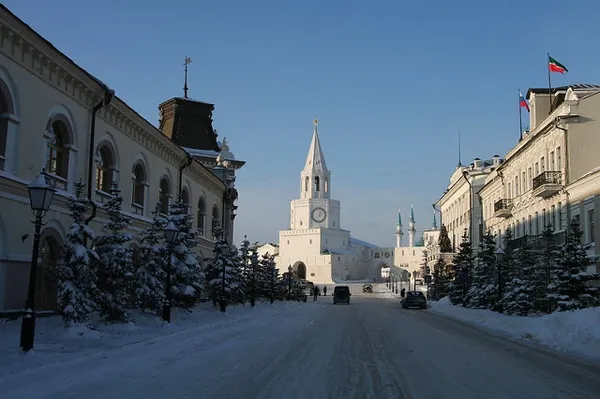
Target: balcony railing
(547,183)
(537,241)
(503,208)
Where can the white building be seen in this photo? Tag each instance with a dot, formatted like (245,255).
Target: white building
(315,245)
(460,204)
(46,107)
(553,174)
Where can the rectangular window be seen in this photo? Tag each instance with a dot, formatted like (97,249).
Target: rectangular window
(552,160)
(523,182)
(529,225)
(552,216)
(536,224)
(558,159)
(590,222)
(509,191)
(544,221)
(542,164)
(537,169)
(559,225)
(529,178)
(516,185)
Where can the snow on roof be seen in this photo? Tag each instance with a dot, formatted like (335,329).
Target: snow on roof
(361,243)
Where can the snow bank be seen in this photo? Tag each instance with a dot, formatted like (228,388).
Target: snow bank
(53,342)
(575,332)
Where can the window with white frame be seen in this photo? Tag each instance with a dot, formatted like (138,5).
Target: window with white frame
(590,224)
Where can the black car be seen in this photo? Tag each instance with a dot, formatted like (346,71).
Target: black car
(341,293)
(414,299)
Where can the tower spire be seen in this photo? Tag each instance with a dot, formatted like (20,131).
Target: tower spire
(399,232)
(187,61)
(459,157)
(434,220)
(315,160)
(411,227)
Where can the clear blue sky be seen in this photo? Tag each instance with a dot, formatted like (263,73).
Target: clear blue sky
(392,83)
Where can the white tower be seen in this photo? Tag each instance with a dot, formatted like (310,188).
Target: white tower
(399,232)
(315,208)
(411,228)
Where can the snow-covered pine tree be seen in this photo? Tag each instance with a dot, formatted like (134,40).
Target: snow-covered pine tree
(151,270)
(548,257)
(569,288)
(115,266)
(440,282)
(269,276)
(223,277)
(444,241)
(483,293)
(77,290)
(423,264)
(520,291)
(245,267)
(463,264)
(506,267)
(186,270)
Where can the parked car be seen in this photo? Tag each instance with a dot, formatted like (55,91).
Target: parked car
(414,299)
(341,293)
(368,288)
(298,294)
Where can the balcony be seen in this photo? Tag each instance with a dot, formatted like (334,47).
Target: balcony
(503,208)
(547,183)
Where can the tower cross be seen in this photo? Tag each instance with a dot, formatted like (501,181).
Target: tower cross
(187,61)
(316,123)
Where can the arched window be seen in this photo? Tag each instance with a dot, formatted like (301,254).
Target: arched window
(164,195)
(326,186)
(57,153)
(216,222)
(6,110)
(185,199)
(201,216)
(105,164)
(317,183)
(138,188)
(306,183)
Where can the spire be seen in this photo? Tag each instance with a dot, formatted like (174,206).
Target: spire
(187,61)
(399,218)
(459,160)
(315,160)
(434,221)
(412,214)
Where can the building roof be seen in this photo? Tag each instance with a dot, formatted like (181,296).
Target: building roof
(315,160)
(576,86)
(361,243)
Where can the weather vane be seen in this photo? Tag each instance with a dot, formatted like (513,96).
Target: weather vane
(187,61)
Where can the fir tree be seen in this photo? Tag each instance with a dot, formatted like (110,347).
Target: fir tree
(521,290)
(483,293)
(444,241)
(244,264)
(269,276)
(506,266)
(463,264)
(115,267)
(186,271)
(569,288)
(440,282)
(77,290)
(223,277)
(548,258)
(423,265)
(150,274)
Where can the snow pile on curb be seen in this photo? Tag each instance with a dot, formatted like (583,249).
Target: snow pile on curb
(576,332)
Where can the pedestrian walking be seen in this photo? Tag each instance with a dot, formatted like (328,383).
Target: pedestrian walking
(316,293)
(403,292)
(324,290)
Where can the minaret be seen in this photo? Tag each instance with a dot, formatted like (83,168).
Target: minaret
(315,177)
(411,228)
(399,232)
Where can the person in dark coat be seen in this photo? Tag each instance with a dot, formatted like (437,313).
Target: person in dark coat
(324,290)
(315,293)
(403,292)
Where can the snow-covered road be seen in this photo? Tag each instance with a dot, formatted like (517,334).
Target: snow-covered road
(370,349)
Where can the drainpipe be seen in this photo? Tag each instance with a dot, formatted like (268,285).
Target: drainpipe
(568,200)
(465,173)
(187,163)
(108,96)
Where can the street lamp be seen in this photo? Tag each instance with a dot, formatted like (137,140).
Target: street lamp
(253,261)
(40,198)
(171,234)
(272,282)
(499,260)
(289,282)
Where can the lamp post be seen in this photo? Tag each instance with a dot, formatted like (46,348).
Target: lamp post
(499,260)
(397,278)
(40,198)
(289,282)
(272,298)
(253,261)
(171,235)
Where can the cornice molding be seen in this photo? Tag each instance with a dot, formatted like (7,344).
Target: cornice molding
(36,55)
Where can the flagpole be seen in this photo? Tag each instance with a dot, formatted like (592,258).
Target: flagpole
(549,83)
(520,118)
